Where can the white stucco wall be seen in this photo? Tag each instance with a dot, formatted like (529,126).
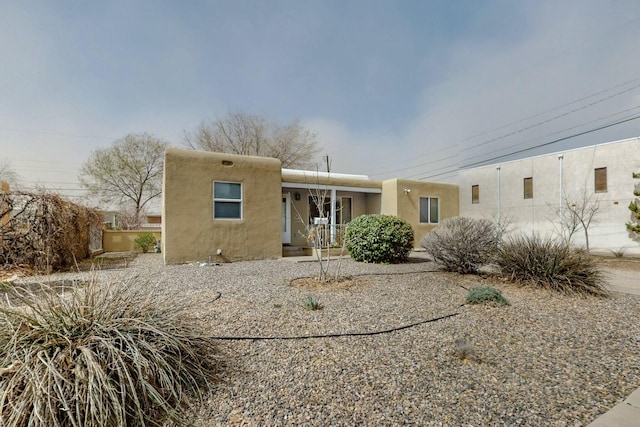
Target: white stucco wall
(539,214)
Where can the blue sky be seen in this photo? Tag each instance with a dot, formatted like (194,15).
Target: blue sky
(393,88)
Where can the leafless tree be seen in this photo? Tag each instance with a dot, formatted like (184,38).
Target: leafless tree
(252,135)
(7,173)
(129,173)
(578,212)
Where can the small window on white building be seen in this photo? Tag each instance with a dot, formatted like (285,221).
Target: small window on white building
(600,180)
(475,194)
(227,200)
(528,188)
(429,210)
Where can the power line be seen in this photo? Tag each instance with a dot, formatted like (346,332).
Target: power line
(557,108)
(553,118)
(554,133)
(552,142)
(536,146)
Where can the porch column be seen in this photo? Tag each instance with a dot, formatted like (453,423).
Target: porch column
(334,216)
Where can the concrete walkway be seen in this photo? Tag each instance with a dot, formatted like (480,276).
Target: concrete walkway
(627,413)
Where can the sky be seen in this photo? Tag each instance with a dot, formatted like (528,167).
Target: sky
(409,89)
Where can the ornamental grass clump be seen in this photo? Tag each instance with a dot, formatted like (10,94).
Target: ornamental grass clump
(463,245)
(550,264)
(112,355)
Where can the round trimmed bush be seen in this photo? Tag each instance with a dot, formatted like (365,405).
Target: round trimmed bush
(379,239)
(145,241)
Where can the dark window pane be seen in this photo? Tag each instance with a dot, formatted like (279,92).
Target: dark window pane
(434,211)
(230,210)
(424,210)
(528,188)
(227,190)
(475,194)
(601,180)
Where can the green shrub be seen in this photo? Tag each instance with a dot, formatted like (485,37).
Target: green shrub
(100,355)
(379,238)
(463,245)
(312,303)
(485,294)
(550,264)
(145,241)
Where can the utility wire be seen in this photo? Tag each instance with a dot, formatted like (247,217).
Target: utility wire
(534,147)
(552,142)
(555,109)
(554,133)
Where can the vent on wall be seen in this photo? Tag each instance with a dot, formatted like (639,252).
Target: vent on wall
(227,163)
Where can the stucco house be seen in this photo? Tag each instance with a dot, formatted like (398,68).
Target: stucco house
(530,192)
(225,207)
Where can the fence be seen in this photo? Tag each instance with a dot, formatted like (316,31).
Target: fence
(123,240)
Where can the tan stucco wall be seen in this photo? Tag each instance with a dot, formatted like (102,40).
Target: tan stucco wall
(122,240)
(189,232)
(373,203)
(407,205)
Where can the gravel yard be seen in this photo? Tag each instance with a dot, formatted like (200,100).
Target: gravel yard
(544,360)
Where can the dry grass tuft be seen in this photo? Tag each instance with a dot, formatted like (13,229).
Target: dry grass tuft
(551,264)
(117,354)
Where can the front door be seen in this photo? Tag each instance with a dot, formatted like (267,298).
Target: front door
(286,219)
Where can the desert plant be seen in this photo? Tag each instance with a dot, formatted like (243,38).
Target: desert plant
(379,239)
(145,241)
(463,245)
(312,303)
(485,294)
(104,354)
(619,253)
(463,350)
(551,264)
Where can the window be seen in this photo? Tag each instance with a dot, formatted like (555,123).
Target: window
(429,210)
(227,200)
(601,180)
(475,194)
(344,210)
(528,188)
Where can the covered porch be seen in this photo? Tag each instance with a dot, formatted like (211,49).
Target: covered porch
(317,206)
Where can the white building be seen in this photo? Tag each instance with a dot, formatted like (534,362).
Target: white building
(530,192)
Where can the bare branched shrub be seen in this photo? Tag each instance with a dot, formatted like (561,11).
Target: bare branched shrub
(463,245)
(102,355)
(44,230)
(550,264)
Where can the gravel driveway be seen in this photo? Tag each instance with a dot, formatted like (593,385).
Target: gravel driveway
(544,360)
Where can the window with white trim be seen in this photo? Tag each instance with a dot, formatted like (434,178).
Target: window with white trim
(429,210)
(227,200)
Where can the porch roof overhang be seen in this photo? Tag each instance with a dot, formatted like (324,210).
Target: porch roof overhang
(310,186)
(330,181)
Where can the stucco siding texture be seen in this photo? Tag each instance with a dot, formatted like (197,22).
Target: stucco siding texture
(540,214)
(401,198)
(189,230)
